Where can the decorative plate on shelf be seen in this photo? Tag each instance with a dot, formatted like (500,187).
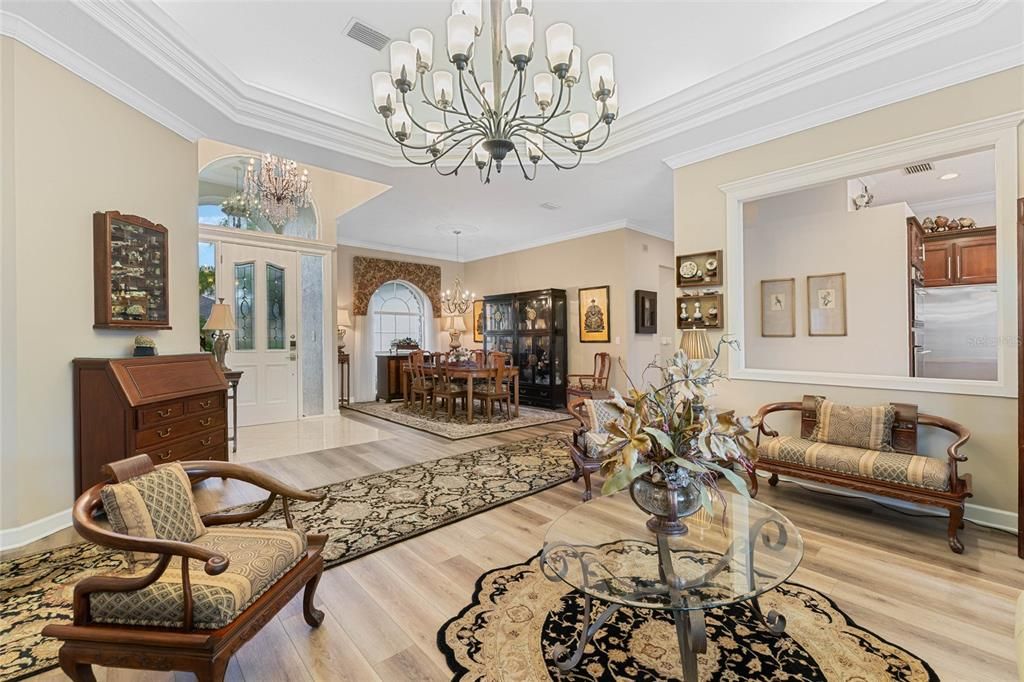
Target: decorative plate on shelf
(711,264)
(688,269)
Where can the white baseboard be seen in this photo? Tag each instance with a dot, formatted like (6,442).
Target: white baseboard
(12,538)
(976,513)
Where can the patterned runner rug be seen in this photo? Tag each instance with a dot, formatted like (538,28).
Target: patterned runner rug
(458,428)
(518,618)
(360,516)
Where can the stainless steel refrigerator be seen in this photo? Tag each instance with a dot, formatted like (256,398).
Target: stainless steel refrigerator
(957,332)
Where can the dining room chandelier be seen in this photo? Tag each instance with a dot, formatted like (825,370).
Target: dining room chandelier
(277,189)
(456,300)
(477,117)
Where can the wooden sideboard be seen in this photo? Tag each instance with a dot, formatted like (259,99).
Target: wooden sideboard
(389,375)
(169,407)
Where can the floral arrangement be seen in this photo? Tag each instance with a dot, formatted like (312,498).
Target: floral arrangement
(407,342)
(670,434)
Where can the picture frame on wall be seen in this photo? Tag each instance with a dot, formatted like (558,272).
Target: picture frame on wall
(826,304)
(478,321)
(645,311)
(595,324)
(778,307)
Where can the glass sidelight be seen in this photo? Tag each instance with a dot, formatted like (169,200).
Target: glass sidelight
(245,299)
(275,307)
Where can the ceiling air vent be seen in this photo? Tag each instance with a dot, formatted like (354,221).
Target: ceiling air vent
(548,206)
(366,35)
(917,168)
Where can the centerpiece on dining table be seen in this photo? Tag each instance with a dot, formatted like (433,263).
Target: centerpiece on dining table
(670,447)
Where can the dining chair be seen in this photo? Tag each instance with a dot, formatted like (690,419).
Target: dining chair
(446,388)
(497,387)
(584,385)
(422,384)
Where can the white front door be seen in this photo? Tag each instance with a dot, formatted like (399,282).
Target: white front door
(261,284)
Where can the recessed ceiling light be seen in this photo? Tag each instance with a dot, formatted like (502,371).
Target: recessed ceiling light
(949,176)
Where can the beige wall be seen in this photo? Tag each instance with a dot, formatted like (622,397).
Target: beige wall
(75,150)
(358,346)
(616,258)
(700,225)
(811,232)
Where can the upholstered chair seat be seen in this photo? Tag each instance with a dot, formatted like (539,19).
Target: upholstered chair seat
(919,471)
(258,558)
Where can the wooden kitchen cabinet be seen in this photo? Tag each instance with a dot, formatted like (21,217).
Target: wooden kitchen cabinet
(960,258)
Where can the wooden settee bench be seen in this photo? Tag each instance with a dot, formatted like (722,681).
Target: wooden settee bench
(901,473)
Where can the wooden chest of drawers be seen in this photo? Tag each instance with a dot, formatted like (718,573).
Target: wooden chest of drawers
(168,407)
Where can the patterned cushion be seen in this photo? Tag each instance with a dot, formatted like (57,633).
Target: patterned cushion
(891,467)
(858,427)
(155,505)
(258,557)
(600,413)
(595,443)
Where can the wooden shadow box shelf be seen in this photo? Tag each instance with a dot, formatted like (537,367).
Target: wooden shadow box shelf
(709,303)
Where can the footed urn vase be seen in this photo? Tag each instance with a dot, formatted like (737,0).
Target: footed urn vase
(667,505)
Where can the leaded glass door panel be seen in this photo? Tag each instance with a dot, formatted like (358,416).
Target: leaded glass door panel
(262,285)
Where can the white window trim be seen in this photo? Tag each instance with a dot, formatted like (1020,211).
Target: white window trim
(1000,133)
(375,314)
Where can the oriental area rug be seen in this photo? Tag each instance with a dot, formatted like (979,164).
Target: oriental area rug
(518,618)
(458,428)
(360,516)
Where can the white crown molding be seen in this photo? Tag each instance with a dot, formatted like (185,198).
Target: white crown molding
(944,78)
(877,33)
(30,35)
(19,536)
(927,207)
(610,226)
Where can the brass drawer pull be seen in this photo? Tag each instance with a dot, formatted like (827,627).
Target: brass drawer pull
(166,455)
(206,441)
(165,413)
(206,422)
(205,403)
(163,433)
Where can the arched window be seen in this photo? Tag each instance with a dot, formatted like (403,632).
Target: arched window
(398,312)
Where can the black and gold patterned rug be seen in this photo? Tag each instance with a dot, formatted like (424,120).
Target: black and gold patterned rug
(360,515)
(458,428)
(518,617)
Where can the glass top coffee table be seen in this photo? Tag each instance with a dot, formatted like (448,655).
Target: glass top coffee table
(603,550)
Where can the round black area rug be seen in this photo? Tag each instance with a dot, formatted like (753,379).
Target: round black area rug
(518,617)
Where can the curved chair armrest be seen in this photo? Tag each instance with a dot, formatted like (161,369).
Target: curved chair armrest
(576,409)
(89,502)
(961,432)
(209,469)
(582,378)
(765,410)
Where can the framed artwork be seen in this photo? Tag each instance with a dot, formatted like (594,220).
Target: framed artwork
(478,321)
(645,311)
(826,304)
(778,307)
(595,326)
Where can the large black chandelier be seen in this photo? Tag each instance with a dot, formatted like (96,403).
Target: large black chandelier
(480,119)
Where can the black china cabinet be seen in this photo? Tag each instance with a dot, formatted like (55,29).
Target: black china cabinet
(531,327)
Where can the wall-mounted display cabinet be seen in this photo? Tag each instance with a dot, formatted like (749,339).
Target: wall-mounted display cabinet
(129,272)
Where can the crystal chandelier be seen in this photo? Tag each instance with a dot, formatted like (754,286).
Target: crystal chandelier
(238,207)
(480,118)
(277,189)
(456,301)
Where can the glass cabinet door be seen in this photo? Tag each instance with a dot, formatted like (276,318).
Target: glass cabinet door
(535,313)
(498,316)
(558,360)
(535,359)
(499,342)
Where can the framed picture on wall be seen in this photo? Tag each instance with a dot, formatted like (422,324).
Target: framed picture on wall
(478,321)
(778,307)
(645,311)
(826,304)
(595,325)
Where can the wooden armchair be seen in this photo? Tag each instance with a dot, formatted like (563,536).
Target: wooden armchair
(192,617)
(497,387)
(584,385)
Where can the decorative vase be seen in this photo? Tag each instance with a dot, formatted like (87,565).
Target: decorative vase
(667,505)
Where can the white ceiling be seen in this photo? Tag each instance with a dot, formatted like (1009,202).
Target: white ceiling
(976,178)
(281,76)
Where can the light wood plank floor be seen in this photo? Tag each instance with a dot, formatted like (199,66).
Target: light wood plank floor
(892,573)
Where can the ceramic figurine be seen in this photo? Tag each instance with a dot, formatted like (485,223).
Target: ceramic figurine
(683,315)
(697,314)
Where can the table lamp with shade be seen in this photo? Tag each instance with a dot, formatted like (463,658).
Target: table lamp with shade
(696,344)
(344,324)
(221,321)
(455,325)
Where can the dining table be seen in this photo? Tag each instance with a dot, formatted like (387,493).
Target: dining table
(468,371)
